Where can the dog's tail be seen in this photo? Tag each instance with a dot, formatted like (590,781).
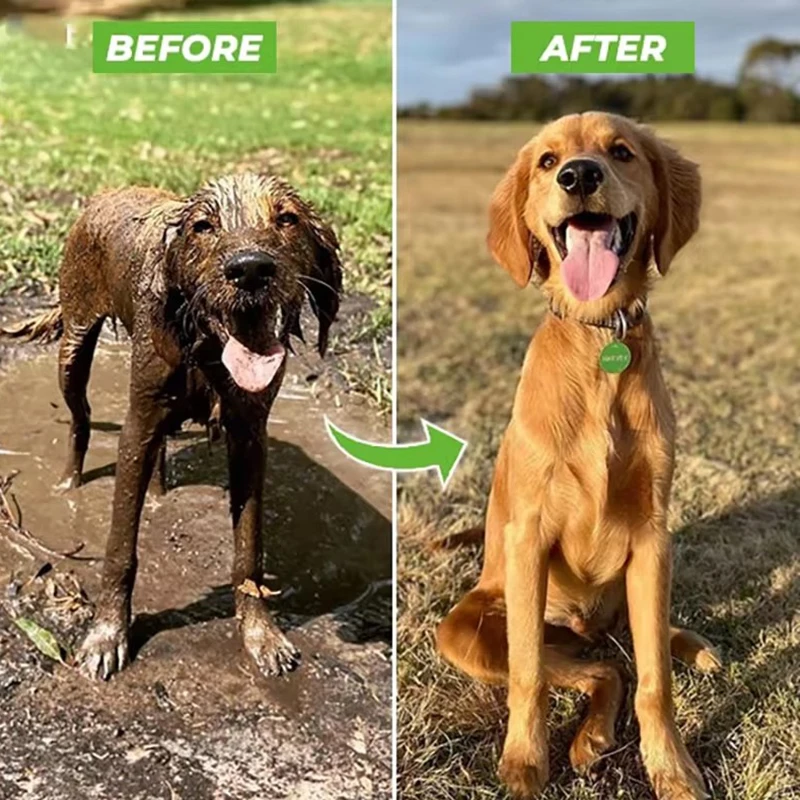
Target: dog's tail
(47,327)
(471,536)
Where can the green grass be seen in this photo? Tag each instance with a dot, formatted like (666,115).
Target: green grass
(323,120)
(726,317)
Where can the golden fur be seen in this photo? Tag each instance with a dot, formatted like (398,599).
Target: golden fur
(576,528)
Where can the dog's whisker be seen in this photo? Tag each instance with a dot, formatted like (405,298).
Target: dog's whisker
(303,278)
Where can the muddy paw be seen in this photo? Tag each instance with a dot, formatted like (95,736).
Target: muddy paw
(273,653)
(104,651)
(588,745)
(524,780)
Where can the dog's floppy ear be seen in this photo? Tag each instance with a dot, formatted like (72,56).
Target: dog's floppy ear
(678,197)
(324,284)
(510,241)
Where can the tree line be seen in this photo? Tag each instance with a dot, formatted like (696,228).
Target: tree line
(766,89)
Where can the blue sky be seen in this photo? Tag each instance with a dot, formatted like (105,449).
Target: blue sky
(448,47)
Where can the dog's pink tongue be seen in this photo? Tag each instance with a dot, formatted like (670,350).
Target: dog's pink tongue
(252,372)
(590,265)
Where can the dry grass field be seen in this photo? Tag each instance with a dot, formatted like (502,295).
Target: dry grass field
(728,318)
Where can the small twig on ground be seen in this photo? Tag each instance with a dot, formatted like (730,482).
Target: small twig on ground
(11,522)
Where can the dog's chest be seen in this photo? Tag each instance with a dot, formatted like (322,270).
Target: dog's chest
(604,490)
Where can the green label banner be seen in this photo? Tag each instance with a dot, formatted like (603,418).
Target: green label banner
(183,47)
(602,47)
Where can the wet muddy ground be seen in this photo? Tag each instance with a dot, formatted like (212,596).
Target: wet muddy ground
(191,718)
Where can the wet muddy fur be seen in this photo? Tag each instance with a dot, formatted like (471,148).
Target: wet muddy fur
(210,289)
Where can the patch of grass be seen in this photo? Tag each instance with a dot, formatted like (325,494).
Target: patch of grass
(323,120)
(726,318)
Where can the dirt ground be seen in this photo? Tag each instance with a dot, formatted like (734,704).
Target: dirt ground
(726,316)
(191,718)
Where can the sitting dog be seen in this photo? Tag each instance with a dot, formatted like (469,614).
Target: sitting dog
(576,527)
(209,289)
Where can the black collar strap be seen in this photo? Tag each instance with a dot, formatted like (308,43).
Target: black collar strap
(621,321)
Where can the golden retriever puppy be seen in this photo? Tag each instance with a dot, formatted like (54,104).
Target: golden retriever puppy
(576,528)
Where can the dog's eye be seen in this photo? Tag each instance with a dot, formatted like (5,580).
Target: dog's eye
(547,161)
(202,226)
(287,219)
(620,152)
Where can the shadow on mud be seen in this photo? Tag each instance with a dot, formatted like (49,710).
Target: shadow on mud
(332,548)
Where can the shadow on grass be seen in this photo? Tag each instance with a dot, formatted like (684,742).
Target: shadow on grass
(733,583)
(739,563)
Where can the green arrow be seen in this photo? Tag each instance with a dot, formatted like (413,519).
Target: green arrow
(440,449)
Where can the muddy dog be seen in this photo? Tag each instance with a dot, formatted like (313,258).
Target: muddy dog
(210,288)
(576,529)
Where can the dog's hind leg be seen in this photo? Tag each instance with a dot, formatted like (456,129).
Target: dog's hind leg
(473,638)
(74,367)
(694,650)
(602,682)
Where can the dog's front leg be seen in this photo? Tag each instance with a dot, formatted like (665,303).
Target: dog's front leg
(247,446)
(105,649)
(672,772)
(524,766)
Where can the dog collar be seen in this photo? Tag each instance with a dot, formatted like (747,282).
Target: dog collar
(620,322)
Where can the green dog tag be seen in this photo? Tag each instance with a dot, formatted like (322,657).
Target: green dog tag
(615,357)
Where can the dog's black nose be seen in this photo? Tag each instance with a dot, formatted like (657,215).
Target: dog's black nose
(581,175)
(250,270)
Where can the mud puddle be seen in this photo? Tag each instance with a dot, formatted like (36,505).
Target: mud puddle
(191,718)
